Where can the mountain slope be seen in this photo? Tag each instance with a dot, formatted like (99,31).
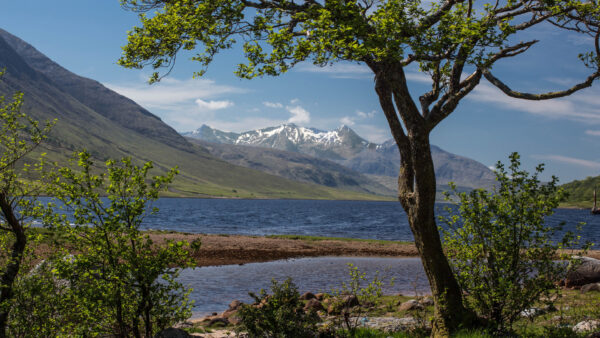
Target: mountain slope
(94,95)
(295,166)
(581,192)
(109,125)
(347,148)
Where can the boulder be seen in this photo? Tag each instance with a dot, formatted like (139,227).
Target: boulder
(590,287)
(410,305)
(313,305)
(320,296)
(350,301)
(307,296)
(235,305)
(586,326)
(172,333)
(585,272)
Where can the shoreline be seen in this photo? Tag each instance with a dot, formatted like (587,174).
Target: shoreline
(226,249)
(238,249)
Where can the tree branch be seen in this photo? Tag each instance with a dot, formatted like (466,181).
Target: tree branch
(537,97)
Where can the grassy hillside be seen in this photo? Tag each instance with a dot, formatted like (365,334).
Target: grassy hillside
(581,193)
(109,125)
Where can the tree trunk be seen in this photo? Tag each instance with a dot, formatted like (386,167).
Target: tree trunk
(416,193)
(14,264)
(449,312)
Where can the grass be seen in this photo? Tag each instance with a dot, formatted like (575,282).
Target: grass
(343,239)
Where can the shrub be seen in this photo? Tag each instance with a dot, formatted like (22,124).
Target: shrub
(501,249)
(123,278)
(280,314)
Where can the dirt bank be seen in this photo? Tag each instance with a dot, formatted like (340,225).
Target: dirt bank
(235,249)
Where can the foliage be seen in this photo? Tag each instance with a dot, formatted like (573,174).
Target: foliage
(19,136)
(502,252)
(126,281)
(280,314)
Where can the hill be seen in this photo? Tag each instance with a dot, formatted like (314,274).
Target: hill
(109,125)
(581,192)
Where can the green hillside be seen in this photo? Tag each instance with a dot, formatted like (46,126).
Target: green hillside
(581,192)
(108,125)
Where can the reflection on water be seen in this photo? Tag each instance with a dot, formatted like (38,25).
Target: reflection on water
(216,286)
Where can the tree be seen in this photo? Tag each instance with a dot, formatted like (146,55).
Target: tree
(19,136)
(125,279)
(456,42)
(503,252)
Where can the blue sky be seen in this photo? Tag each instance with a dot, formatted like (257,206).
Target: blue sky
(85,37)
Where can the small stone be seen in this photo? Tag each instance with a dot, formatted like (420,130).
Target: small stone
(531,312)
(586,326)
(307,296)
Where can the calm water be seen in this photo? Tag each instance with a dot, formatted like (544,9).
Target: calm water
(215,287)
(358,219)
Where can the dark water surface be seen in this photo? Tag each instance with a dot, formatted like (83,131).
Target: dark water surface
(215,287)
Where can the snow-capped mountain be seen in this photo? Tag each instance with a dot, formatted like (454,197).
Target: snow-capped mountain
(345,147)
(340,144)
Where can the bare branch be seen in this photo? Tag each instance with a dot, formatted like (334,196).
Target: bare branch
(537,97)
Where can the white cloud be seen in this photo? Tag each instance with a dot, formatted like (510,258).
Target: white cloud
(570,160)
(295,101)
(244,124)
(582,107)
(339,70)
(364,115)
(299,115)
(213,105)
(171,93)
(373,133)
(418,77)
(592,132)
(272,104)
(347,120)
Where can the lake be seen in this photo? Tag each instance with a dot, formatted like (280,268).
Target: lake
(215,287)
(356,219)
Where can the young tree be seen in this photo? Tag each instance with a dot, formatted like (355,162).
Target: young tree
(503,252)
(127,280)
(456,42)
(19,136)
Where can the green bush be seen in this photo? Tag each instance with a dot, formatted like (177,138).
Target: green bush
(280,314)
(500,248)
